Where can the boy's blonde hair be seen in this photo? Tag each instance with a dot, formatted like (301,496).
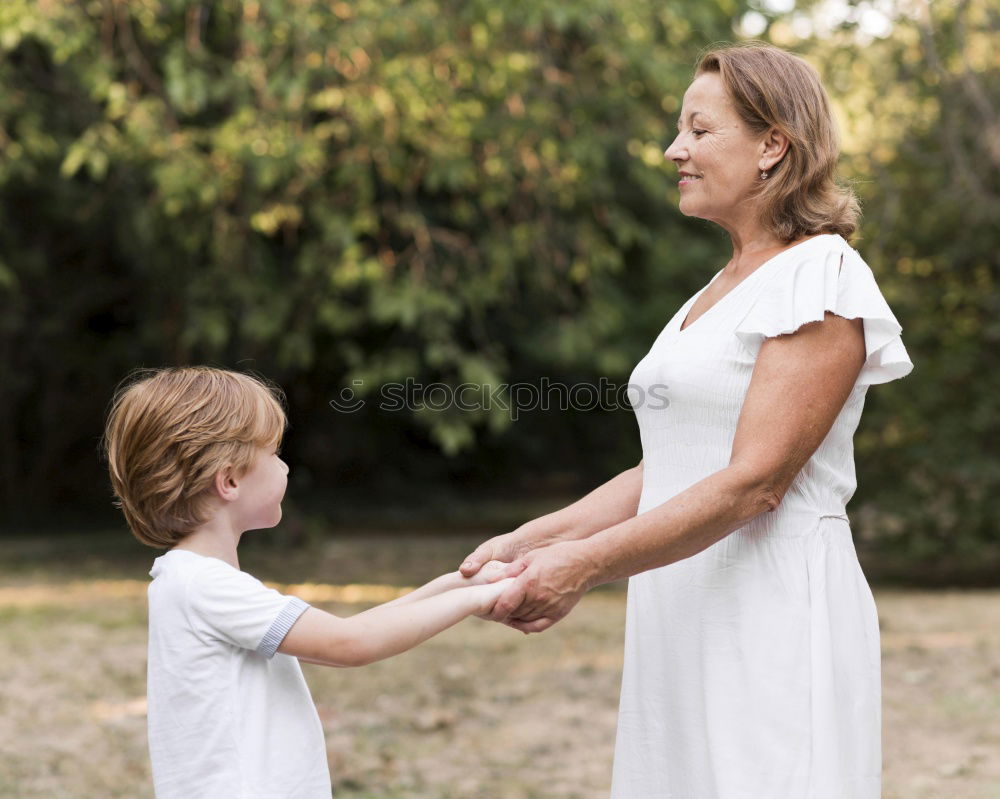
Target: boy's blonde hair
(170,431)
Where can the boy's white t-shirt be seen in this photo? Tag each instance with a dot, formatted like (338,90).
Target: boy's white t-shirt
(228,717)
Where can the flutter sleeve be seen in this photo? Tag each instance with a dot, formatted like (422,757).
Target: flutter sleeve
(831,277)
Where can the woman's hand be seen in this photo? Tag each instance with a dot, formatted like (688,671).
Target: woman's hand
(507,547)
(550,581)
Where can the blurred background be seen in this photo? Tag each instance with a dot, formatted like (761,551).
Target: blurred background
(343,196)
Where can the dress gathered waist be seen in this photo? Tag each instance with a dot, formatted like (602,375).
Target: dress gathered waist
(797,523)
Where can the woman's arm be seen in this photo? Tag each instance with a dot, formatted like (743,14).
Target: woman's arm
(799,386)
(608,504)
(386,630)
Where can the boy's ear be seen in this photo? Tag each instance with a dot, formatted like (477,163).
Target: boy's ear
(225,485)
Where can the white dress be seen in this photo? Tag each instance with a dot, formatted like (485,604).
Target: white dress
(752,669)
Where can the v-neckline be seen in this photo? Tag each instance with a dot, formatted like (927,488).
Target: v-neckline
(707,311)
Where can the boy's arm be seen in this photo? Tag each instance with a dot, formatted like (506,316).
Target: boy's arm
(386,630)
(490,572)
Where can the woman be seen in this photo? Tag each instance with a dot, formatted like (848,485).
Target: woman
(752,663)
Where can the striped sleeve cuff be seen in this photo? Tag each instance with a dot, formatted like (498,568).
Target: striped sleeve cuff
(282,624)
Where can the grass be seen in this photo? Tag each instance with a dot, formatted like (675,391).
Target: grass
(480,711)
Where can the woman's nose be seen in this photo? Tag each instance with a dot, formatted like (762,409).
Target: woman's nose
(672,151)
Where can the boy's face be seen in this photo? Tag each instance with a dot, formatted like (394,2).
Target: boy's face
(261,491)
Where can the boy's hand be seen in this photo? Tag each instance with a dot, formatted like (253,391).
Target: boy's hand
(489,593)
(489,573)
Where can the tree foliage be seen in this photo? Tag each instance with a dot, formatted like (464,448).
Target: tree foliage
(349,194)
(336,193)
(922,110)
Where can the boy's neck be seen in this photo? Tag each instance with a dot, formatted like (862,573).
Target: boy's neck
(213,539)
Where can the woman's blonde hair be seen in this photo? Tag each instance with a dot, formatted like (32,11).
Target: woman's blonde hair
(170,431)
(772,88)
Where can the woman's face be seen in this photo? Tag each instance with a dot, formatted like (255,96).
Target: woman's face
(719,161)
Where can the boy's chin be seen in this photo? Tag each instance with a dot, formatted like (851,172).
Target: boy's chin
(268,522)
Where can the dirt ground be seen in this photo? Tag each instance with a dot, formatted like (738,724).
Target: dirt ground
(480,711)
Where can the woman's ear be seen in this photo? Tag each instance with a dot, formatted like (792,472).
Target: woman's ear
(225,486)
(774,147)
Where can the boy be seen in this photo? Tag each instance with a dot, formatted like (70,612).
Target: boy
(193,457)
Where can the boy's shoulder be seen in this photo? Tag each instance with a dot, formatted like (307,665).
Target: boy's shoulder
(189,570)
(218,602)
(183,561)
(181,566)
(183,576)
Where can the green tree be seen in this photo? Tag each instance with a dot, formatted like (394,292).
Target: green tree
(922,107)
(336,192)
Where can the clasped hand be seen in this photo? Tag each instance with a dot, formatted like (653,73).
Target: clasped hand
(549,581)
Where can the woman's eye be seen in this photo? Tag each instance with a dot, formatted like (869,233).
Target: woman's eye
(698,133)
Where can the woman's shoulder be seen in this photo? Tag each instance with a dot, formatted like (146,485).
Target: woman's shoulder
(822,242)
(821,258)
(825,273)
